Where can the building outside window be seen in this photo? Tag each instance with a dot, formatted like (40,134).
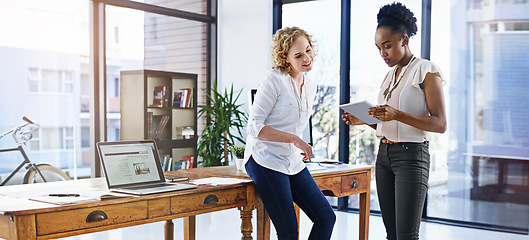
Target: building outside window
(479,171)
(43,49)
(46,71)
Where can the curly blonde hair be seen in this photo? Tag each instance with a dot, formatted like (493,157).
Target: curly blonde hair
(281,43)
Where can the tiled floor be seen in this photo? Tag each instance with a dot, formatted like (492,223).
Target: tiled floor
(225,225)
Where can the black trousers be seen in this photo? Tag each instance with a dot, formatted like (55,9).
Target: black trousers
(402,171)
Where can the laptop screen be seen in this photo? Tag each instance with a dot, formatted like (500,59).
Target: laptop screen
(129,163)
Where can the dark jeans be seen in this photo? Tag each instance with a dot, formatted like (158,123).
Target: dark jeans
(278,191)
(402,171)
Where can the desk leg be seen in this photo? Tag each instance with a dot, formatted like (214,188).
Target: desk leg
(246,223)
(189,227)
(169,230)
(365,200)
(503,170)
(263,221)
(22,227)
(475,172)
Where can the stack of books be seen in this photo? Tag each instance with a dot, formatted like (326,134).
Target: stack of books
(159,96)
(155,132)
(183,98)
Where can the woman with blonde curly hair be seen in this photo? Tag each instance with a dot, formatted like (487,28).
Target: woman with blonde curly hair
(274,148)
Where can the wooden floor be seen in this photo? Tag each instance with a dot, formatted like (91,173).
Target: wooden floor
(225,226)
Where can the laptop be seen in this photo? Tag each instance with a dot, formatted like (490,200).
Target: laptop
(134,167)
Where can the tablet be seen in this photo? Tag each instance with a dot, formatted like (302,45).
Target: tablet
(359,110)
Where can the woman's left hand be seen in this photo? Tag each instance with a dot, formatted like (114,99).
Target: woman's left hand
(384,112)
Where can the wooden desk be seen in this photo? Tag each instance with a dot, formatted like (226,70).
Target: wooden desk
(25,219)
(339,181)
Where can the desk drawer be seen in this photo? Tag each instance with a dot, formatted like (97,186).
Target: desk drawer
(69,220)
(355,183)
(330,186)
(208,200)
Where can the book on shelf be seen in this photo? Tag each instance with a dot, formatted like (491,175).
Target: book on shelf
(187,161)
(185,94)
(158,97)
(188,132)
(190,105)
(177,98)
(150,130)
(166,162)
(187,97)
(159,129)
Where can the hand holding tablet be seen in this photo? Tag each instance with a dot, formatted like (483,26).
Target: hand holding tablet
(359,110)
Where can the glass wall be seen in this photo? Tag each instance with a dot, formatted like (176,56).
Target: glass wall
(139,40)
(125,43)
(195,6)
(326,71)
(45,73)
(487,161)
(479,171)
(44,55)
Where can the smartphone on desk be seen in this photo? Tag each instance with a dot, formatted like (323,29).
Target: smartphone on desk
(173,178)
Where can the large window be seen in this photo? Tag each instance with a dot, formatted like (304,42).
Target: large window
(326,72)
(43,52)
(46,73)
(486,160)
(139,40)
(479,171)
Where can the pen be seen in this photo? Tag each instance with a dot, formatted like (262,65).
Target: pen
(64,195)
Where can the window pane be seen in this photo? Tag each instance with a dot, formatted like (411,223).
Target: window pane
(68,82)
(52,138)
(194,6)
(51,81)
(49,39)
(85,137)
(482,169)
(154,42)
(125,51)
(326,71)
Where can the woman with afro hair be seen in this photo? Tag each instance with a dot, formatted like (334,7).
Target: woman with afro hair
(410,105)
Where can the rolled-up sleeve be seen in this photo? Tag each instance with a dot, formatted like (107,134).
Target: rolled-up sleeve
(265,99)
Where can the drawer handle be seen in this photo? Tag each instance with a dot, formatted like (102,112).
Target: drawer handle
(210,199)
(96,216)
(354,184)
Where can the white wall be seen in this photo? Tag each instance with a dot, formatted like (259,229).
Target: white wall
(244,36)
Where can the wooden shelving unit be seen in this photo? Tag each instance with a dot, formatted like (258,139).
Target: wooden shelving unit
(139,118)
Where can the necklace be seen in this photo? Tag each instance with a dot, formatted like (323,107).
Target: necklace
(388,91)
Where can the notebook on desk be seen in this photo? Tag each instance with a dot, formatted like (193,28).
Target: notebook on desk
(134,167)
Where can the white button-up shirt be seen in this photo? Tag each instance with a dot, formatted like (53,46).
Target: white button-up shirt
(278,104)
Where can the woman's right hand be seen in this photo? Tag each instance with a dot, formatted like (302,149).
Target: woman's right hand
(305,147)
(351,120)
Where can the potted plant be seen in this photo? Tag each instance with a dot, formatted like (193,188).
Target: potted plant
(238,151)
(223,114)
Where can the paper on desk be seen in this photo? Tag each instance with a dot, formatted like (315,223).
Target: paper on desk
(322,160)
(315,167)
(63,200)
(215,181)
(359,110)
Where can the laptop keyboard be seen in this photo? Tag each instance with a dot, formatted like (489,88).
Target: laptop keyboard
(148,186)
